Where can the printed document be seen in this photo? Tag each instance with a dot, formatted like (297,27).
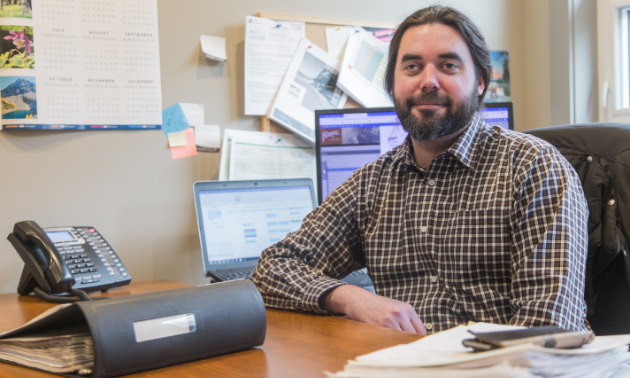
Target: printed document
(250,155)
(362,72)
(309,84)
(337,37)
(269,47)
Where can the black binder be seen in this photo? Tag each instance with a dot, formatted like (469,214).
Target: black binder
(227,316)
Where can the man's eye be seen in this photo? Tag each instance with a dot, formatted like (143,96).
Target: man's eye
(450,66)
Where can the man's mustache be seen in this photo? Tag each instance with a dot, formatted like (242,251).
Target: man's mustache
(429,98)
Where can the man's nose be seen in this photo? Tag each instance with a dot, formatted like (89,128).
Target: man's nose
(429,79)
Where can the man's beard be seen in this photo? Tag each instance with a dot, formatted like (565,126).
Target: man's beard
(430,126)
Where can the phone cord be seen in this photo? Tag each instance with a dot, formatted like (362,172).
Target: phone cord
(79,295)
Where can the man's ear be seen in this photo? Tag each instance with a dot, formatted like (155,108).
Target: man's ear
(480,86)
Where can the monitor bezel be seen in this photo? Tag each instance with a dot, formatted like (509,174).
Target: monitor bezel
(239,184)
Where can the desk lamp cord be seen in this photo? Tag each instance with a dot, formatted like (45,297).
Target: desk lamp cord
(79,295)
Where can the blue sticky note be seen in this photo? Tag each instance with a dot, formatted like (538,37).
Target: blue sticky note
(173,120)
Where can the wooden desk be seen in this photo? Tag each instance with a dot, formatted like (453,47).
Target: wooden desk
(297,345)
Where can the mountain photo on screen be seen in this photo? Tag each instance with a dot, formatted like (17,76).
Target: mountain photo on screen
(19,98)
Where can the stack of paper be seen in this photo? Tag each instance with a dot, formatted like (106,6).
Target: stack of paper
(58,354)
(443,355)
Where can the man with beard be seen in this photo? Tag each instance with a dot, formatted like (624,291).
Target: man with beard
(462,222)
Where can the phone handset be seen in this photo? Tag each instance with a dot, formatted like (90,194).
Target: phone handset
(41,258)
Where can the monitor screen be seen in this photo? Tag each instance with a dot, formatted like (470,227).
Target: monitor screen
(238,224)
(348,139)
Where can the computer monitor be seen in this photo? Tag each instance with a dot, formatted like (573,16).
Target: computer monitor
(499,113)
(348,139)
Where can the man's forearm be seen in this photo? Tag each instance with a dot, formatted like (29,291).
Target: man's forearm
(359,304)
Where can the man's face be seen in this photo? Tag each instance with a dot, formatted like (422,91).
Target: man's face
(435,86)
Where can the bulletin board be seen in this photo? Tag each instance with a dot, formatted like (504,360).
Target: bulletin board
(316,32)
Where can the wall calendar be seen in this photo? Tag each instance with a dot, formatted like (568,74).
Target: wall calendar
(80,64)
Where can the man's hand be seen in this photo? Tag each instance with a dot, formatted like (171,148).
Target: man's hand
(359,304)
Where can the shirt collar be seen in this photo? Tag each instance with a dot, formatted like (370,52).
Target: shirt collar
(463,149)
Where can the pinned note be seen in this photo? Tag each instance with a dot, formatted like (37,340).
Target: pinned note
(208,138)
(190,149)
(177,139)
(194,113)
(214,48)
(174,120)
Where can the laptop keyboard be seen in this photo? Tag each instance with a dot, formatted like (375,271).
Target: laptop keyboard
(235,276)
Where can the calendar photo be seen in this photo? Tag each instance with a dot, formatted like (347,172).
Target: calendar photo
(19,97)
(16,8)
(17,48)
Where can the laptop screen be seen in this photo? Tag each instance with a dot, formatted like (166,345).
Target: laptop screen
(238,224)
(348,139)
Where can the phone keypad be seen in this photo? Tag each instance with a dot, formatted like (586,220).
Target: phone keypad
(104,252)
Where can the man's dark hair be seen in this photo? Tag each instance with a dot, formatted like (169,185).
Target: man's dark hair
(438,14)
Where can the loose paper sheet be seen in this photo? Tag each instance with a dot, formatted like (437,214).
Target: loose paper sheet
(309,84)
(190,149)
(337,37)
(81,65)
(208,138)
(269,47)
(213,47)
(362,72)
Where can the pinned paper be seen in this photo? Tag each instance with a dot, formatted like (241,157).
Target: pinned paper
(174,120)
(214,48)
(177,139)
(190,149)
(194,113)
(208,138)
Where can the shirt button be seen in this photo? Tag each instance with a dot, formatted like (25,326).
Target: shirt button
(433,278)
(428,325)
(424,229)
(432,182)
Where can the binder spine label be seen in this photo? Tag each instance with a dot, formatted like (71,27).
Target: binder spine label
(160,328)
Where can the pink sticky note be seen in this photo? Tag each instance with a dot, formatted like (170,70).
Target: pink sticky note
(190,149)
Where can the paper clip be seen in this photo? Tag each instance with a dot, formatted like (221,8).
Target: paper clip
(277,26)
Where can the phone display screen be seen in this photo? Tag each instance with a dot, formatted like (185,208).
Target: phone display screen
(60,236)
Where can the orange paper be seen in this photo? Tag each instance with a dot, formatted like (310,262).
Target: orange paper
(190,149)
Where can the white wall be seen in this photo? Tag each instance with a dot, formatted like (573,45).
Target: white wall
(125,184)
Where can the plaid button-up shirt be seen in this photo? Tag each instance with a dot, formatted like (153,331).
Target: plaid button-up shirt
(494,231)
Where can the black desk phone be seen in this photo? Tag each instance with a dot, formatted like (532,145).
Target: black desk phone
(58,259)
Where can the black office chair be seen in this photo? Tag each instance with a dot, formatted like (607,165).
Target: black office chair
(600,153)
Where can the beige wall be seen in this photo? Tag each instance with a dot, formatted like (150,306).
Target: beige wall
(125,183)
